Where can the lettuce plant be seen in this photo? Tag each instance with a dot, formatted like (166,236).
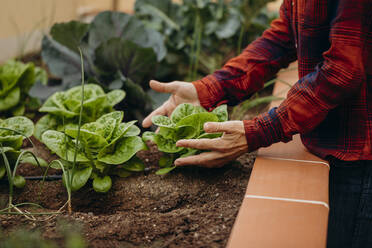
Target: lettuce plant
(12,133)
(106,147)
(63,107)
(186,122)
(16,79)
(118,51)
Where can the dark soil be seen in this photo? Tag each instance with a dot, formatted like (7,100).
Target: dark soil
(190,207)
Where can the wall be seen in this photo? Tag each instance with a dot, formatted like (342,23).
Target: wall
(22,23)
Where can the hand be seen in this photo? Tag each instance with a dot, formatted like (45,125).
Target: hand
(182,92)
(230,146)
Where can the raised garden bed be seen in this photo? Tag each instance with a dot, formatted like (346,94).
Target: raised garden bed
(191,207)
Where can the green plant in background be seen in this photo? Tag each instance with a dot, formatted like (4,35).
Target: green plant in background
(70,236)
(202,34)
(119,52)
(63,107)
(186,122)
(23,238)
(16,79)
(12,133)
(105,147)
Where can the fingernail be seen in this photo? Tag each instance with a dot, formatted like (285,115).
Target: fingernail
(177,163)
(179,143)
(206,125)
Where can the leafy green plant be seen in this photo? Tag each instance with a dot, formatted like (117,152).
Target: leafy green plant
(63,107)
(201,35)
(105,147)
(186,122)
(16,79)
(119,52)
(12,133)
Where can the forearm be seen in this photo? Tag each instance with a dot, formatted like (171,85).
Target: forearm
(246,73)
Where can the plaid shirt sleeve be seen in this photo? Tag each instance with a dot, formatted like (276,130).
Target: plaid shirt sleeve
(334,80)
(246,73)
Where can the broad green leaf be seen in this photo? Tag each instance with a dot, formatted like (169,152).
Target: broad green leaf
(62,62)
(102,184)
(125,149)
(181,111)
(198,120)
(162,121)
(134,164)
(55,141)
(116,115)
(114,97)
(55,105)
(20,124)
(93,127)
(121,130)
(148,136)
(166,145)
(14,141)
(221,112)
(80,177)
(108,25)
(166,160)
(185,132)
(199,109)
(132,131)
(164,171)
(69,34)
(133,61)
(16,74)
(47,122)
(167,133)
(91,141)
(19,181)
(10,100)
(31,160)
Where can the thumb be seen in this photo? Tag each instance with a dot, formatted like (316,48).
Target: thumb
(223,127)
(163,87)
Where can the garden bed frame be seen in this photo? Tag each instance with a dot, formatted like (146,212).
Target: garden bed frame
(286,202)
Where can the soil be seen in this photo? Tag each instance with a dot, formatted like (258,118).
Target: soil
(190,207)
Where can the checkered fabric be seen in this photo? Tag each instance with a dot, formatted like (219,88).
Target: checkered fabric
(331,104)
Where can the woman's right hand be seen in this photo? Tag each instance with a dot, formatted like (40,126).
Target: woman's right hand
(181,92)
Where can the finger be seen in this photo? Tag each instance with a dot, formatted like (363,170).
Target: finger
(221,127)
(200,144)
(159,111)
(206,159)
(163,87)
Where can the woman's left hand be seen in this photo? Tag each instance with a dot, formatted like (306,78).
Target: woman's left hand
(222,150)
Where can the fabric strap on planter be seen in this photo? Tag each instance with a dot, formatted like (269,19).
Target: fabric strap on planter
(287,199)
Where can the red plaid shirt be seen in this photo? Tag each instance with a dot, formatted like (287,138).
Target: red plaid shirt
(331,104)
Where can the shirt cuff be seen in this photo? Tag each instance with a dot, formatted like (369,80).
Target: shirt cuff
(210,92)
(264,130)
